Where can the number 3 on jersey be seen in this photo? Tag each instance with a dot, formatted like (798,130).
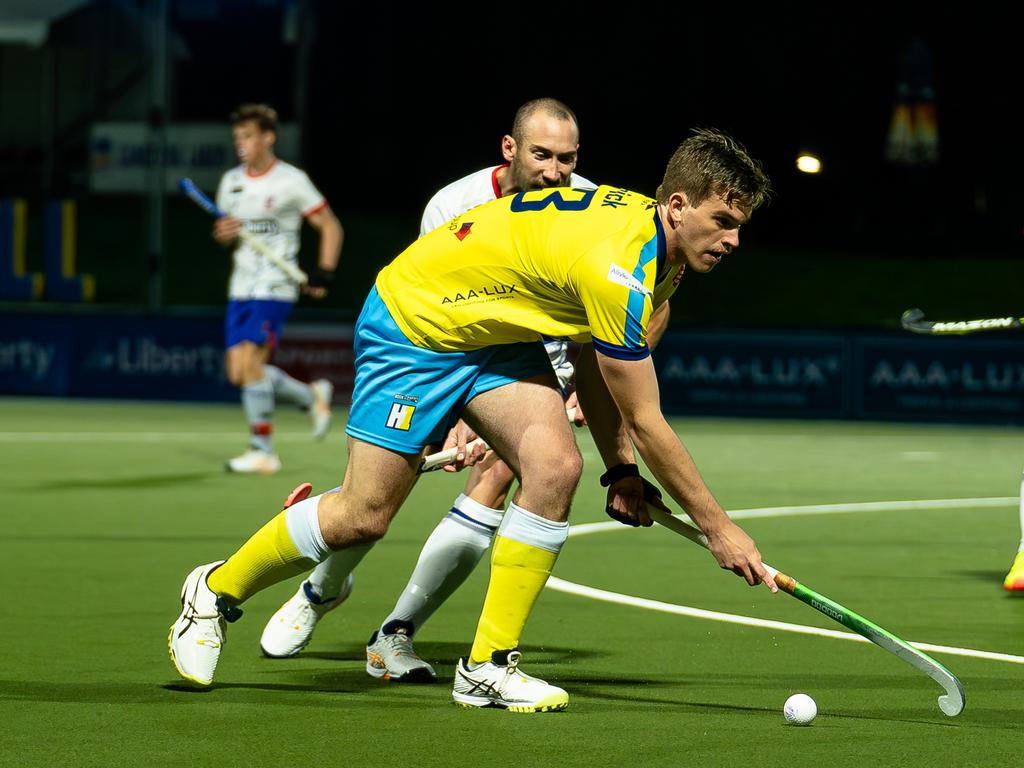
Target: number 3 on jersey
(578,200)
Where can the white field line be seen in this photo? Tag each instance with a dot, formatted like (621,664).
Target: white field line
(136,437)
(568,587)
(581,590)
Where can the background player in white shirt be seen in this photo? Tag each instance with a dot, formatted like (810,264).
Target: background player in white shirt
(270,198)
(540,152)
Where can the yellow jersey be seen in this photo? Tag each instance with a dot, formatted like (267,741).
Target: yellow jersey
(575,264)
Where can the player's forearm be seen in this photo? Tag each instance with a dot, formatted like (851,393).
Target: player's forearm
(657,325)
(674,469)
(606,425)
(332,237)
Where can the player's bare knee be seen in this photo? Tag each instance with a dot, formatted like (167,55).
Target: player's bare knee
(561,471)
(573,469)
(346,522)
(369,528)
(353,531)
(498,476)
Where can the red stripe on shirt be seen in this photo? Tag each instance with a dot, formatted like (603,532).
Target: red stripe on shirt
(315,209)
(252,175)
(494,180)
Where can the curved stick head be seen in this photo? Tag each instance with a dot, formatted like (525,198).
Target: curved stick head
(952,703)
(911,316)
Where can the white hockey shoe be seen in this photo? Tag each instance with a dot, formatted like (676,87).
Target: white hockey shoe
(291,628)
(196,638)
(255,462)
(390,656)
(500,683)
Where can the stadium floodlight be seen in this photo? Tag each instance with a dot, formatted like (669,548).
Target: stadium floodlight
(807,162)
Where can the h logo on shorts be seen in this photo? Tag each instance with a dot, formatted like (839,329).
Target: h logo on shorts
(400,416)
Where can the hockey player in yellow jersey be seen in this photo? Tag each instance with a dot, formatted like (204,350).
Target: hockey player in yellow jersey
(453,328)
(563,263)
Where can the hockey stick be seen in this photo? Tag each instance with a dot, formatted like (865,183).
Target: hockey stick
(913,320)
(196,195)
(951,703)
(441,459)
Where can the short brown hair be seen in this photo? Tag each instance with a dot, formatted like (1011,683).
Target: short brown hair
(263,115)
(551,107)
(711,163)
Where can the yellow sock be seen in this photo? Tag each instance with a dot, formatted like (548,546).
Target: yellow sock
(518,574)
(268,557)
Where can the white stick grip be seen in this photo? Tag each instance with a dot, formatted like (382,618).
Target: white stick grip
(443,458)
(294,273)
(200,198)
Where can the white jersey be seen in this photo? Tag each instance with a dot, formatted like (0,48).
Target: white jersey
(471,191)
(272,206)
(476,189)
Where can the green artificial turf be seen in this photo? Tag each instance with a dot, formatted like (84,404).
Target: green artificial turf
(109,505)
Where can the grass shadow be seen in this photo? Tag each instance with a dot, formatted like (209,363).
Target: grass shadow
(114,483)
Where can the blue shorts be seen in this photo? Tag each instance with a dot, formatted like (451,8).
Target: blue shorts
(406,397)
(257,320)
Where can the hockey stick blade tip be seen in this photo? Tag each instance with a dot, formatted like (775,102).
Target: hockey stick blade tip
(912,316)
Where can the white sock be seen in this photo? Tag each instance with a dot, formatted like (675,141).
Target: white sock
(304,529)
(258,404)
(448,557)
(326,579)
(288,389)
(527,528)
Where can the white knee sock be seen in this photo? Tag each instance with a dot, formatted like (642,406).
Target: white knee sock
(326,579)
(258,403)
(303,521)
(448,557)
(527,528)
(288,389)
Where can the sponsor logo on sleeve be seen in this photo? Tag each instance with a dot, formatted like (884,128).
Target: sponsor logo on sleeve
(617,274)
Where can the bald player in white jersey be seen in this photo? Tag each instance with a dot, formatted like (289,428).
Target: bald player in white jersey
(271,199)
(540,152)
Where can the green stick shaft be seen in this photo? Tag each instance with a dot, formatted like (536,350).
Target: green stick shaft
(951,703)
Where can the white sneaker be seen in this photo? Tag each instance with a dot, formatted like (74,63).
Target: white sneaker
(390,656)
(291,628)
(505,686)
(255,462)
(320,411)
(198,634)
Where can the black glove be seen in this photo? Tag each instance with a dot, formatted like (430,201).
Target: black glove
(651,491)
(321,278)
(618,472)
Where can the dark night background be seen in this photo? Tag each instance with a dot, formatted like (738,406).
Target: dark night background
(403,100)
(400,100)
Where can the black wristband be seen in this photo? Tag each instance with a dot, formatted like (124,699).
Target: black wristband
(321,278)
(619,471)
